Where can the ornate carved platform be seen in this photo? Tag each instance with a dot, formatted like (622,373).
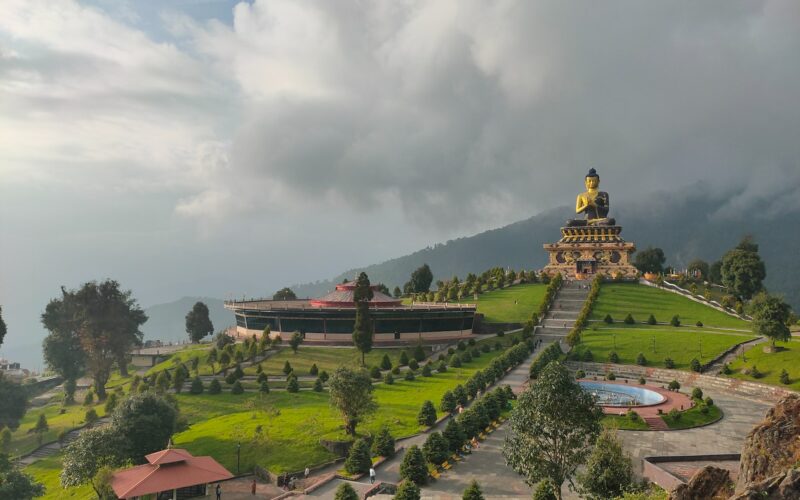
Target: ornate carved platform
(584,251)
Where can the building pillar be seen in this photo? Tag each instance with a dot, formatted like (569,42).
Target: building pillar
(174,494)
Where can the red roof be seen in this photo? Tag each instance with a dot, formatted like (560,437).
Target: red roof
(167,470)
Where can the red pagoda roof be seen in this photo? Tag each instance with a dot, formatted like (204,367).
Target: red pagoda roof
(342,296)
(167,470)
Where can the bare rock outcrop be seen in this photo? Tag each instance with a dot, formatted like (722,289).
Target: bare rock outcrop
(711,483)
(773,446)
(784,486)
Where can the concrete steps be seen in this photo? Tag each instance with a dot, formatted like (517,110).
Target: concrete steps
(656,423)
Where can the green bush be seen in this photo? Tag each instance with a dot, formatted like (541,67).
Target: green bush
(426,370)
(455,361)
(403,358)
(262,377)
(386,363)
(545,490)
(699,324)
(466,357)
(388,379)
(442,367)
(726,369)
(651,320)
(375,372)
(427,414)
(755,373)
(674,385)
(642,381)
(608,319)
(641,360)
(237,388)
(611,376)
(613,357)
(396,370)
(448,402)
(287,368)
(291,384)
(318,385)
(358,459)
(675,321)
(695,365)
(704,410)
(345,492)
(413,467)
(383,445)
(323,375)
(314,370)
(674,415)
(230,378)
(407,491)
(501,333)
(485,348)
(214,387)
(413,364)
(473,492)
(588,356)
(708,401)
(784,377)
(197,386)
(580,374)
(264,388)
(462,346)
(629,319)
(669,363)
(436,449)
(419,353)
(697,393)
(409,375)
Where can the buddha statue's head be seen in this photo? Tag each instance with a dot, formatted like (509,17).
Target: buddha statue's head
(592,180)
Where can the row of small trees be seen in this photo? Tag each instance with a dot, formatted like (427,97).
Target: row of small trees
(550,294)
(574,335)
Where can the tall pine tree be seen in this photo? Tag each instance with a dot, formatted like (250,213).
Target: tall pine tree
(362,330)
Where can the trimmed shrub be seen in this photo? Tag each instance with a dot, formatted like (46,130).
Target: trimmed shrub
(419,353)
(383,445)
(697,393)
(726,369)
(214,387)
(413,467)
(396,370)
(461,395)
(708,401)
(641,360)
(262,377)
(427,414)
(323,375)
(669,363)
(580,374)
(613,357)
(608,319)
(674,415)
(755,372)
(345,492)
(675,321)
(784,377)
(651,320)
(287,368)
(695,365)
(442,367)
(501,333)
(674,385)
(466,357)
(388,379)
(230,378)
(318,385)
(587,355)
(291,384)
(237,388)
(436,449)
(473,492)
(409,375)
(90,417)
(455,361)
(264,387)
(375,372)
(426,370)
(413,364)
(699,324)
(485,347)
(448,402)
(611,376)
(629,319)
(403,358)
(642,381)
(197,386)
(455,435)
(461,345)
(314,370)
(358,459)
(407,491)
(386,363)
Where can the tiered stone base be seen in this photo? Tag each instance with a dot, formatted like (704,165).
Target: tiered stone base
(585,251)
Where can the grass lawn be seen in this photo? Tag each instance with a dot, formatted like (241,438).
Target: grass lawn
(624,423)
(620,299)
(281,431)
(510,305)
(694,417)
(47,471)
(326,358)
(185,356)
(771,364)
(680,344)
(23,442)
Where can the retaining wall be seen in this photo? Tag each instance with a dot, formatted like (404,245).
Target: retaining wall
(746,389)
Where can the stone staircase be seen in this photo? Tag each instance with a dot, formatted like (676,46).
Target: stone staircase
(566,306)
(656,423)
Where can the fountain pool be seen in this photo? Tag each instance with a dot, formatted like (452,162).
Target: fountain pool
(621,395)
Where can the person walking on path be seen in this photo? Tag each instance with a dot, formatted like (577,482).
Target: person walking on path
(253,487)
(219,491)
(372,475)
(307,472)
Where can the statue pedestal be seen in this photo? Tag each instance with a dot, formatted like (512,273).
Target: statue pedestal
(584,251)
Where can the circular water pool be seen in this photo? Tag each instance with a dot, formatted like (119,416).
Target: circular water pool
(621,395)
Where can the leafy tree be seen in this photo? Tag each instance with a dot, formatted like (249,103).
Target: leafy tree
(162,382)
(178,380)
(323,375)
(111,403)
(397,292)
(106,321)
(62,347)
(436,448)
(421,279)
(650,260)
(14,402)
(545,490)
(375,372)
(147,422)
(212,358)
(92,450)
(427,414)
(363,328)
(3,328)
(90,417)
(284,294)
(383,446)
(41,427)
(198,323)
(15,483)
(473,492)
(460,394)
(715,272)
(413,468)
(222,340)
(553,427)
(742,269)
(407,491)
(295,341)
(770,317)
(214,387)
(346,492)
(351,394)
(358,459)
(609,472)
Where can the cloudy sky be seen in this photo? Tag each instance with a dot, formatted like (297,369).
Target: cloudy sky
(201,147)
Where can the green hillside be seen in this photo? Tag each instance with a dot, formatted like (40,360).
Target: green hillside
(621,299)
(510,305)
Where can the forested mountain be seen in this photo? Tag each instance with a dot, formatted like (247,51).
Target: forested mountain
(685,226)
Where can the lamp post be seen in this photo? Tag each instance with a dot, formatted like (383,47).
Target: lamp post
(238,455)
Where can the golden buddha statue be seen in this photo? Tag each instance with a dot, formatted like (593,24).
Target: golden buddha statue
(593,203)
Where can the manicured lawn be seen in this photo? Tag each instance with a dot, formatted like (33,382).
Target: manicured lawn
(771,364)
(291,425)
(23,442)
(680,344)
(47,471)
(509,305)
(185,356)
(620,299)
(624,423)
(326,358)
(694,417)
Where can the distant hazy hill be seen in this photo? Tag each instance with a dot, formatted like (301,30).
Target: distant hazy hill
(168,321)
(684,226)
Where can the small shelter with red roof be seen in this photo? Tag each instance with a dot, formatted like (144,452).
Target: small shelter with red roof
(169,474)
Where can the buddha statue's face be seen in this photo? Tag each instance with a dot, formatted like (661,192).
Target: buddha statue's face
(592,182)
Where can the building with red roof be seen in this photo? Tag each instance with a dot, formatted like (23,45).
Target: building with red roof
(169,474)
